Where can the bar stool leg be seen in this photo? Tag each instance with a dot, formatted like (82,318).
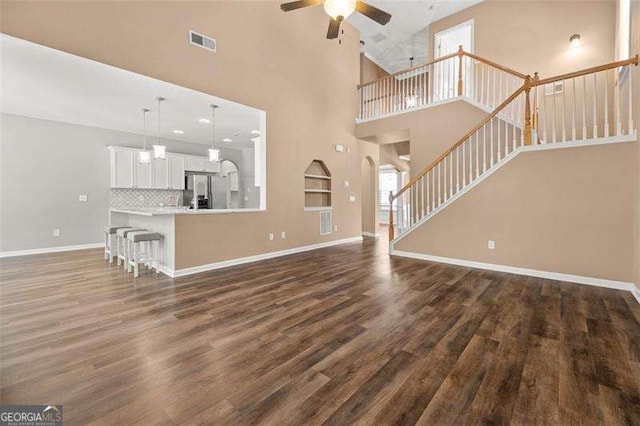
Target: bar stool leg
(106,246)
(136,259)
(156,255)
(128,254)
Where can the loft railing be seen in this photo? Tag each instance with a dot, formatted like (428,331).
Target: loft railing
(495,138)
(457,74)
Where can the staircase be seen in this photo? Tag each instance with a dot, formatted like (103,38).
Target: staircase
(591,106)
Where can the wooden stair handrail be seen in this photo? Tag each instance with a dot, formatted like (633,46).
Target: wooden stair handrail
(444,58)
(630,61)
(430,167)
(495,65)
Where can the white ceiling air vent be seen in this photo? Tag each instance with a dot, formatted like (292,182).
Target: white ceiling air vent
(202,41)
(325,222)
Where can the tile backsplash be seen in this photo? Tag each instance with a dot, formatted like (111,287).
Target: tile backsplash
(124,197)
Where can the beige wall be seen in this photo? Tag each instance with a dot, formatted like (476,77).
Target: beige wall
(635,49)
(431,130)
(563,210)
(369,70)
(531,36)
(266,59)
(369,166)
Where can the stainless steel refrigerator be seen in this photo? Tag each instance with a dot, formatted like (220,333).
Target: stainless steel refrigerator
(205,191)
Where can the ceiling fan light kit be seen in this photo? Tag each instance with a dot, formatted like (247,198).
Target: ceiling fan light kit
(339,10)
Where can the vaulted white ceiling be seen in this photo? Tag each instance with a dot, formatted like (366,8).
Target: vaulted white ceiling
(407,34)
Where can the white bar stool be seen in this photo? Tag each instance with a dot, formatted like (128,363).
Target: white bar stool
(143,247)
(109,237)
(122,244)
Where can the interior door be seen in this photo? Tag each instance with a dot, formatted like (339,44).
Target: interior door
(446,42)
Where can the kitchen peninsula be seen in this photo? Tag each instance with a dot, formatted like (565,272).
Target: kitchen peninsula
(183,230)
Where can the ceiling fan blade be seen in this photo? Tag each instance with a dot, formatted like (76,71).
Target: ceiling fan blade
(286,7)
(334,28)
(380,16)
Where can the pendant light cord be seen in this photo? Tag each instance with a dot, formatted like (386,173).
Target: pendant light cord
(144,128)
(213,126)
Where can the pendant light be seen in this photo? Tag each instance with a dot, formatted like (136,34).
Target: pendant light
(214,154)
(411,100)
(159,151)
(144,156)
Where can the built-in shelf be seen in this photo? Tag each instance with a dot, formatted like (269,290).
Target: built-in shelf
(317,186)
(317,177)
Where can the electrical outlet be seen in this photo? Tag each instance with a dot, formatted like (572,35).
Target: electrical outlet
(56,232)
(82,198)
(352,198)
(491,245)
(271,236)
(283,235)
(335,228)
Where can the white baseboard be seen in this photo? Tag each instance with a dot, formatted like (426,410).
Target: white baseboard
(636,293)
(49,250)
(599,282)
(256,258)
(371,234)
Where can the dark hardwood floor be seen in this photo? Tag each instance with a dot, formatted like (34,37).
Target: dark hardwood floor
(339,335)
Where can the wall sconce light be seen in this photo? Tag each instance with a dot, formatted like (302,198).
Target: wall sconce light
(574,40)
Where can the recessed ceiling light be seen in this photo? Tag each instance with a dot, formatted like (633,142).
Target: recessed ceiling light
(255,132)
(226,140)
(204,121)
(178,132)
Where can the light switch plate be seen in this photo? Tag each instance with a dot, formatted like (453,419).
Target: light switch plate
(491,245)
(346,184)
(56,232)
(82,198)
(283,235)
(335,228)
(271,236)
(352,198)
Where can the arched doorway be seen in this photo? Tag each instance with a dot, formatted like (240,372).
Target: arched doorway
(369,197)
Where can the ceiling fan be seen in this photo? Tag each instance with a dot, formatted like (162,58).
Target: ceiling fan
(339,10)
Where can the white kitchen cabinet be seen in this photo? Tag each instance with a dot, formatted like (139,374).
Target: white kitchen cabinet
(161,173)
(211,166)
(143,177)
(121,168)
(176,171)
(193,164)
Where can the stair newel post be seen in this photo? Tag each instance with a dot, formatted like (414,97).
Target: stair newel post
(527,110)
(391,230)
(460,56)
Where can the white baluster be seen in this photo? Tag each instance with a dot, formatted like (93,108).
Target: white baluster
(477,155)
(630,72)
(564,110)
(544,114)
(464,165)
(484,147)
(584,107)
(573,110)
(553,112)
(470,144)
(595,101)
(450,175)
(616,102)
(491,152)
(606,105)
(458,168)
(499,141)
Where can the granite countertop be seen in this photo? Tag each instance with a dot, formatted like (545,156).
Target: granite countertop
(164,211)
